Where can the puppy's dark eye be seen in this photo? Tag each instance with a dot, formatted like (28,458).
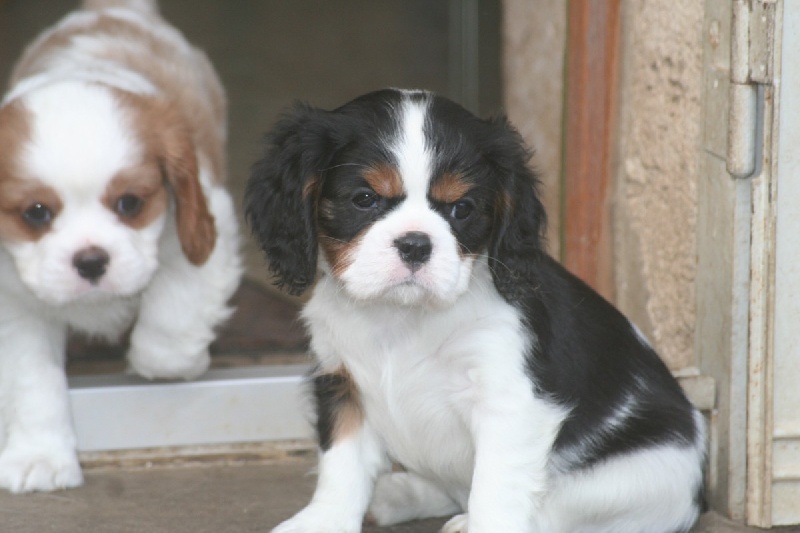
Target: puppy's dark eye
(365,199)
(128,205)
(462,209)
(38,215)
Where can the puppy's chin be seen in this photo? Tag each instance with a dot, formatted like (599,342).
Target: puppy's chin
(81,292)
(398,286)
(412,294)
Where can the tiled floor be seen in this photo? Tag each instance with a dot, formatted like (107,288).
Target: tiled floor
(214,498)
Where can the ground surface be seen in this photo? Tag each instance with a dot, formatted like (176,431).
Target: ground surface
(211,498)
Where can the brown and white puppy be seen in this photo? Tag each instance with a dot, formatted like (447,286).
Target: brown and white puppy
(112,214)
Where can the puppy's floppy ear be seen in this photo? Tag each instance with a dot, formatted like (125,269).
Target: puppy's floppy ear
(196,229)
(281,195)
(518,238)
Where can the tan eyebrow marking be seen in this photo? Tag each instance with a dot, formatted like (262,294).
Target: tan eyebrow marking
(384,180)
(449,188)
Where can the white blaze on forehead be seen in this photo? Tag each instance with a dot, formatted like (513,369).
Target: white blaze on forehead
(80,137)
(411,151)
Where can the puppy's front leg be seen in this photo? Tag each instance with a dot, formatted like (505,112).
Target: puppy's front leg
(351,458)
(39,449)
(184,302)
(514,433)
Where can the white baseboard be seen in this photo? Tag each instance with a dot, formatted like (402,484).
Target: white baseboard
(250,404)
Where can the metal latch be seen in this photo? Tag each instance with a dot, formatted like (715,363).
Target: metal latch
(752,38)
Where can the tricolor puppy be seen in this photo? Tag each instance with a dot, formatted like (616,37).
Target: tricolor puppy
(449,342)
(112,213)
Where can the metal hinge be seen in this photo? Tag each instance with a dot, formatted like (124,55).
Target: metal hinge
(752,40)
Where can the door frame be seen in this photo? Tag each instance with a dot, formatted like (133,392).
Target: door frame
(592,92)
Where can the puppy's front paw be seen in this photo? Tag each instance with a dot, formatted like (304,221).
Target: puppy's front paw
(316,520)
(27,471)
(155,362)
(457,524)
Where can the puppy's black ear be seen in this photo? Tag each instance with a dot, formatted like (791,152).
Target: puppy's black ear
(281,194)
(518,238)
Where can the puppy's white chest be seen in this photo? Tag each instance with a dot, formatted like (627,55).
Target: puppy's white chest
(421,409)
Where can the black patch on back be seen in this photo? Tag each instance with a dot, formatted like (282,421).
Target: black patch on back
(588,357)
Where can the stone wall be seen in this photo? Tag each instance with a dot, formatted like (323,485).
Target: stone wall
(655,201)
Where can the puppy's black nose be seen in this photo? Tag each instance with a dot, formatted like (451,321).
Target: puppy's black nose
(414,248)
(91,263)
